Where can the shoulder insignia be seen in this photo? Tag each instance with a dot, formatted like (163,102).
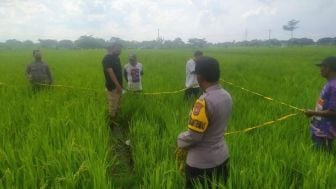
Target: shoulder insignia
(198,120)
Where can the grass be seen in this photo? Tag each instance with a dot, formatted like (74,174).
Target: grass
(59,138)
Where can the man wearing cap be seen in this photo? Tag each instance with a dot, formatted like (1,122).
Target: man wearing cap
(207,151)
(323,122)
(191,84)
(132,73)
(113,78)
(38,72)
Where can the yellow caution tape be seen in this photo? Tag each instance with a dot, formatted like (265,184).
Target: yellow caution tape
(90,89)
(162,93)
(261,125)
(263,96)
(181,90)
(70,87)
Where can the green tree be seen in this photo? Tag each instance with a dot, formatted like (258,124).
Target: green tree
(291,26)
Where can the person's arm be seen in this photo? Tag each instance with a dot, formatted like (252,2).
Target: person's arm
(114,79)
(142,72)
(187,68)
(198,124)
(28,72)
(125,74)
(330,106)
(324,113)
(188,139)
(49,75)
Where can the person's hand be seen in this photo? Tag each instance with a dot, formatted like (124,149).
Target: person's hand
(309,113)
(119,89)
(181,156)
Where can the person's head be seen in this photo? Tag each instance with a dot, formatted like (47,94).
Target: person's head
(37,54)
(114,48)
(207,71)
(198,54)
(132,59)
(328,67)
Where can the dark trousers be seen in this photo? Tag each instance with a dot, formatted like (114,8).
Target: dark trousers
(322,143)
(192,92)
(206,176)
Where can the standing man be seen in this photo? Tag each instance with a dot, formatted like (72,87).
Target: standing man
(191,80)
(207,152)
(132,73)
(323,123)
(113,78)
(38,72)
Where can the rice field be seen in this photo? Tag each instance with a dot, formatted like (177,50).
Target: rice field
(59,137)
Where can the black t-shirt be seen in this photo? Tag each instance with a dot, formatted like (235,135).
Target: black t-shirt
(112,61)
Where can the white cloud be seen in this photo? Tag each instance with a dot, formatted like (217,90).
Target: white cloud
(260,11)
(215,20)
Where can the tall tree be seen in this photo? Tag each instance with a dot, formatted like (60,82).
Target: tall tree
(291,26)
(48,43)
(66,44)
(196,42)
(90,42)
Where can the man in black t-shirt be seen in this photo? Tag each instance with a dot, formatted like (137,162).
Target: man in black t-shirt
(113,78)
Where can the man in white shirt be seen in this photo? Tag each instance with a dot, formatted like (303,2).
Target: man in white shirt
(191,83)
(133,72)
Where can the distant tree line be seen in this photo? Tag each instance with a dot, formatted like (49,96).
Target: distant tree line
(90,42)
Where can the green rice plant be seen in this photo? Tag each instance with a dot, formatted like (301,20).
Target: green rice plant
(59,137)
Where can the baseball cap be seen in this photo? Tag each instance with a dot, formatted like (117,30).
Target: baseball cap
(329,62)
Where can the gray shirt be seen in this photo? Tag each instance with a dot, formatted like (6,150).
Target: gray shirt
(39,72)
(204,139)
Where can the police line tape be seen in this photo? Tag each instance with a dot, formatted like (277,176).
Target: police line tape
(178,91)
(181,90)
(262,125)
(97,90)
(162,93)
(263,96)
(181,154)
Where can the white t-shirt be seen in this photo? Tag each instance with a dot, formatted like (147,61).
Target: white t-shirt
(133,74)
(191,79)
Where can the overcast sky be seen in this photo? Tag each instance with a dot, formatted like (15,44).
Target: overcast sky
(215,20)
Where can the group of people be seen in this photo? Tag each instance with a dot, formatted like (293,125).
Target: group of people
(112,69)
(204,143)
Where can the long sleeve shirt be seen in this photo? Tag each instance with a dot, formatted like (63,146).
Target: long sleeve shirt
(191,79)
(204,138)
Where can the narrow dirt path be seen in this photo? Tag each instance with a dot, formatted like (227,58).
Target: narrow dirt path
(122,173)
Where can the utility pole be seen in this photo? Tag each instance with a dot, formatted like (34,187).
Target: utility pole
(246,34)
(269,34)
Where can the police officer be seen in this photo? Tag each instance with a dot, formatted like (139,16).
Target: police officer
(207,151)
(38,72)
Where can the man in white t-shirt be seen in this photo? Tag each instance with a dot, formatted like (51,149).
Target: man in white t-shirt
(191,83)
(133,72)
